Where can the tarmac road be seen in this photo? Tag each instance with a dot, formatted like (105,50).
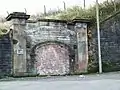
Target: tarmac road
(109,81)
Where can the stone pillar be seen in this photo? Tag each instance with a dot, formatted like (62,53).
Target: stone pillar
(18,24)
(82,47)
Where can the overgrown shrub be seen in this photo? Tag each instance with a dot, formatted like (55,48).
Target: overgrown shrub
(106,9)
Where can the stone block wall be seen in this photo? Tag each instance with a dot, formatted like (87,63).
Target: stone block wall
(110,45)
(38,33)
(53,32)
(31,34)
(73,35)
(5,55)
(45,36)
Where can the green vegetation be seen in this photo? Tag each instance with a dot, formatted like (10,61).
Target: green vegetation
(106,10)
(4,29)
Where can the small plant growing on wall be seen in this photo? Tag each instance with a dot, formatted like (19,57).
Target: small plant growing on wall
(4,29)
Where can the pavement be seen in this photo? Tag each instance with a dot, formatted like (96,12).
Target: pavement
(107,81)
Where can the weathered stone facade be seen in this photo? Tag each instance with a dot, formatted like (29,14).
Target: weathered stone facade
(57,47)
(52,34)
(54,47)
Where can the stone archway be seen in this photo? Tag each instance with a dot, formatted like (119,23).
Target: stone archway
(52,59)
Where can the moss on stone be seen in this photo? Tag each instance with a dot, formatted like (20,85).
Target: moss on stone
(92,65)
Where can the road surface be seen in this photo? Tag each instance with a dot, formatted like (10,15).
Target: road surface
(109,81)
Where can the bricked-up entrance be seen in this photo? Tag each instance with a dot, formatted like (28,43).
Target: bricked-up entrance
(52,59)
(30,58)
